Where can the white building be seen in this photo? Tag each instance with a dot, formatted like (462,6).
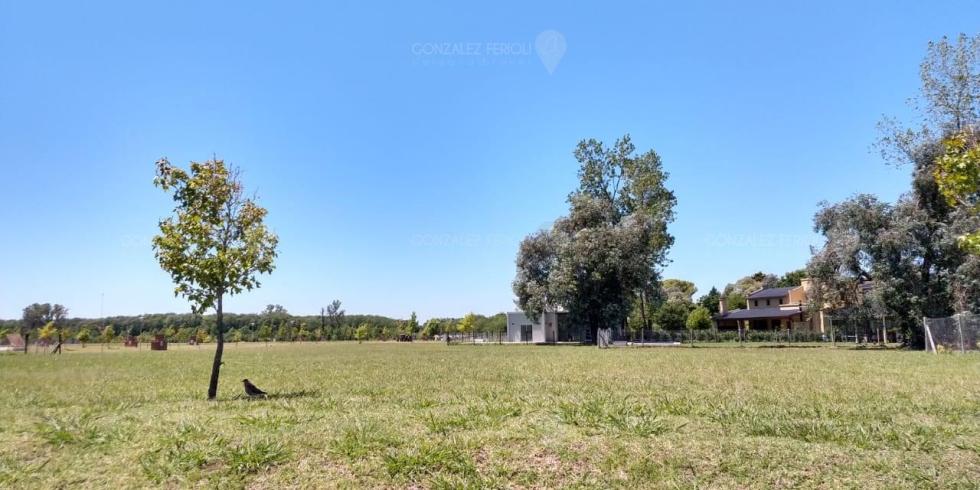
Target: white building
(522,329)
(550,328)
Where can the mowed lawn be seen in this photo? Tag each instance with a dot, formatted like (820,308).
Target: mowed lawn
(432,416)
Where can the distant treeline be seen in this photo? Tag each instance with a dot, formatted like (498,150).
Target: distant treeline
(273,324)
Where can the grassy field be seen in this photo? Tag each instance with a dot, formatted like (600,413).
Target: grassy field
(418,415)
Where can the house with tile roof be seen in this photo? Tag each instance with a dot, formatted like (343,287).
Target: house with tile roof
(771,309)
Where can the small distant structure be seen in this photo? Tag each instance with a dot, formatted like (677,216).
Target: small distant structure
(405,338)
(15,341)
(132,341)
(159,342)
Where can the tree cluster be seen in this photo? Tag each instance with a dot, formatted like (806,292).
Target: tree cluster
(913,258)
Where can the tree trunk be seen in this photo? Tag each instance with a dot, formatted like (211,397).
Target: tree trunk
(27,338)
(216,366)
(643,309)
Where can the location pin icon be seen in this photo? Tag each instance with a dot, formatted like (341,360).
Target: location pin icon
(550,46)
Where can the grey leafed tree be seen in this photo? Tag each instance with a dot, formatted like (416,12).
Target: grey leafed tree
(216,244)
(735,294)
(335,315)
(607,252)
(909,250)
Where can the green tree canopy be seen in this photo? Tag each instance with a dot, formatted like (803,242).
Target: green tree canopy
(792,278)
(607,253)
(957,174)
(710,300)
(699,319)
(672,315)
(108,334)
(84,335)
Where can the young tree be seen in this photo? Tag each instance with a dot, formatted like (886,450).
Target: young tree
(699,319)
(216,244)
(303,333)
(467,325)
(47,333)
(265,332)
(362,332)
(108,334)
(284,333)
(84,335)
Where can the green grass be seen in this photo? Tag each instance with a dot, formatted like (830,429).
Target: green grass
(432,416)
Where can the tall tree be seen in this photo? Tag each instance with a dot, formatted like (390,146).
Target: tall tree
(431,328)
(335,315)
(909,251)
(710,300)
(37,315)
(608,252)
(679,290)
(792,278)
(735,294)
(216,244)
(412,325)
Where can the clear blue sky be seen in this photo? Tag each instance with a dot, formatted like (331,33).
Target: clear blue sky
(402,179)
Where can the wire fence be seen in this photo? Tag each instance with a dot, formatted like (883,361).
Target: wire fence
(957,333)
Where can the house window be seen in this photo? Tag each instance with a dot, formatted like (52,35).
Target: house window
(767,302)
(756,302)
(780,300)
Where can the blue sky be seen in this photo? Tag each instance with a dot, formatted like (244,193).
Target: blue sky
(401,176)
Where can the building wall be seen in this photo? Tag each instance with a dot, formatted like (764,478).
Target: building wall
(514,322)
(797,295)
(750,303)
(544,330)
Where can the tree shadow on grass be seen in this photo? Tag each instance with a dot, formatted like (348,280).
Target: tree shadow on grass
(787,346)
(285,395)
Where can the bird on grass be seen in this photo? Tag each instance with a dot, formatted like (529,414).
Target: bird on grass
(252,390)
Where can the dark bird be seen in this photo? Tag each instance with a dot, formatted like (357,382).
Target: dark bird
(252,390)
